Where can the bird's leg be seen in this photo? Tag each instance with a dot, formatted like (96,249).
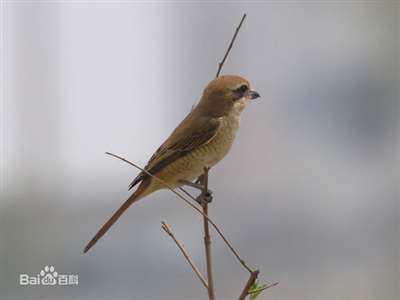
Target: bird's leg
(192,184)
(204,196)
(200,179)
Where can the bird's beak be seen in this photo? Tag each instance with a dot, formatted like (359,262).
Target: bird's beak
(253,94)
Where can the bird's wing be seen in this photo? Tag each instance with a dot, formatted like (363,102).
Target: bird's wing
(191,133)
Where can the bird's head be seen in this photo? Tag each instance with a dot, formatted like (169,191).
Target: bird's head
(226,93)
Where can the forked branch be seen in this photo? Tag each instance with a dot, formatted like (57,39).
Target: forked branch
(249,283)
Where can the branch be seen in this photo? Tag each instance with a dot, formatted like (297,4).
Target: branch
(207,239)
(168,230)
(230,46)
(250,282)
(242,262)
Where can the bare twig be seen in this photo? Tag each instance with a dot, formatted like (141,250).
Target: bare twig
(168,230)
(242,262)
(207,238)
(230,46)
(252,279)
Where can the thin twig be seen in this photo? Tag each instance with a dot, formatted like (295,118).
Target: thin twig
(207,238)
(242,262)
(230,46)
(168,230)
(252,279)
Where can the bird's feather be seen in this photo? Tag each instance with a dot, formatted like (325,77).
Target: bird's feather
(191,133)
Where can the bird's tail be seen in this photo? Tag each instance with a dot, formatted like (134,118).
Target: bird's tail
(138,194)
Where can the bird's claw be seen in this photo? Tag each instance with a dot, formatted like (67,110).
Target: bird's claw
(205,197)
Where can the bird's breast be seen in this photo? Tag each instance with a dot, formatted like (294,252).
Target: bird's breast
(215,150)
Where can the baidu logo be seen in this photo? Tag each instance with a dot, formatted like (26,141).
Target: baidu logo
(48,277)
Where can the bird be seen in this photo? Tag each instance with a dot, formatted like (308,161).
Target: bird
(200,141)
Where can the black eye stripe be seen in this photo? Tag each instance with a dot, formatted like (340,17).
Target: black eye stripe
(242,89)
(239,92)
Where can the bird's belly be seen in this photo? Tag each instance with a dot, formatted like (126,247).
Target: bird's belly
(190,166)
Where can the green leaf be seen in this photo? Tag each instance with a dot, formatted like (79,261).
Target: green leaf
(256,289)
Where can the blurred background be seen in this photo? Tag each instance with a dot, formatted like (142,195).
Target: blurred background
(308,194)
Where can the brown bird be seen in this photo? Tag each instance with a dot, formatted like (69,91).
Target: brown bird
(201,140)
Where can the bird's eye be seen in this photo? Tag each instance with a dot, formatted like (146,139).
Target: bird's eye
(243,88)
